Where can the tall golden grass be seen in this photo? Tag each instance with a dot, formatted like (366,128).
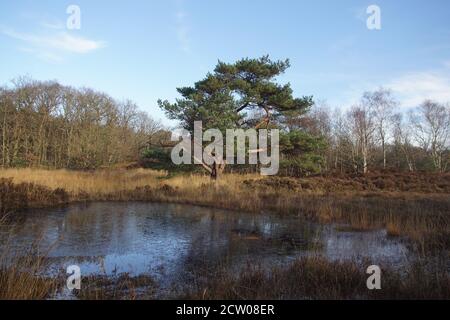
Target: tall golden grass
(90,182)
(20,281)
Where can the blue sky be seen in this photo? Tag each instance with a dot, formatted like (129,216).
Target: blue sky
(143,50)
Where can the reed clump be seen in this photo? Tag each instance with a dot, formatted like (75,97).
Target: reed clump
(318,278)
(20,278)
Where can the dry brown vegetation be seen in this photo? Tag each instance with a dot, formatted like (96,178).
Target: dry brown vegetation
(317,278)
(393,182)
(305,278)
(102,182)
(119,287)
(78,183)
(24,285)
(19,280)
(415,206)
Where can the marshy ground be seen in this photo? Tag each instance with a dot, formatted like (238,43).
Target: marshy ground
(411,208)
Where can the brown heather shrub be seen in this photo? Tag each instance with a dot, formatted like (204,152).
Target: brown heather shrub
(384,184)
(25,195)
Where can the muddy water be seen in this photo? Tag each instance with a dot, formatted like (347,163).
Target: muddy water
(169,241)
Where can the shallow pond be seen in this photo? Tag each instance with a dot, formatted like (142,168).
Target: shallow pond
(169,242)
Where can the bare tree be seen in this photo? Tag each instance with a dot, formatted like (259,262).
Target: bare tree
(402,140)
(431,123)
(382,103)
(340,141)
(363,128)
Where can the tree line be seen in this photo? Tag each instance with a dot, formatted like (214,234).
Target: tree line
(374,134)
(46,124)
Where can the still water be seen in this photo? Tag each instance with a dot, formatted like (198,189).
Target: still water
(169,242)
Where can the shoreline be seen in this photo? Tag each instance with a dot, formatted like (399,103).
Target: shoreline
(423,217)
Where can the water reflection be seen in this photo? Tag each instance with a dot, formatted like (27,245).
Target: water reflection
(169,241)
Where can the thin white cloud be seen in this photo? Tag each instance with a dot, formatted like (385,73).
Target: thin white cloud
(447,64)
(413,88)
(182,29)
(61,41)
(410,89)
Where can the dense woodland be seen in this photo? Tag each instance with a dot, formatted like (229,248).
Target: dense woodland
(46,124)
